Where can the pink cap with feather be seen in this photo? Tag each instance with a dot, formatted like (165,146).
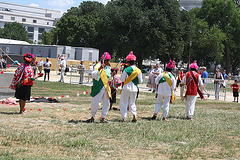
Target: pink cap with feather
(107,56)
(194,65)
(170,64)
(131,57)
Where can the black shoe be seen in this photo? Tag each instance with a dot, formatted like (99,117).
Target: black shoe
(104,121)
(154,117)
(90,120)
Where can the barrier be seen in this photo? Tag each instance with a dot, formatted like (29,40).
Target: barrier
(75,75)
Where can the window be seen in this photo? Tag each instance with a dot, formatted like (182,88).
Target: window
(13,18)
(39,36)
(34,21)
(30,29)
(30,36)
(1,17)
(47,23)
(24,20)
(41,30)
(48,15)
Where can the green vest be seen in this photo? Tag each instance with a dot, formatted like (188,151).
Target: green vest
(129,71)
(97,85)
(163,79)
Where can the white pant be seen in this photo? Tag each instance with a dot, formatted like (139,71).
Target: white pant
(128,99)
(159,103)
(62,75)
(190,105)
(102,95)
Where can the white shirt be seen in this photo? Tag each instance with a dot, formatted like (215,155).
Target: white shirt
(91,68)
(131,86)
(159,70)
(40,63)
(163,88)
(63,64)
(47,64)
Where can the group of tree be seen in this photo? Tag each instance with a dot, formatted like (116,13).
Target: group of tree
(154,29)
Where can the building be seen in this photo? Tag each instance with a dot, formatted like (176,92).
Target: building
(36,20)
(190,4)
(19,48)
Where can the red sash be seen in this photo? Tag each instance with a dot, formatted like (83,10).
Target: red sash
(196,83)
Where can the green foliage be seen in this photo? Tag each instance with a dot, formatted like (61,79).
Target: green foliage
(14,31)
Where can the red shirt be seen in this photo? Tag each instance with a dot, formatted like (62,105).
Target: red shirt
(180,76)
(235,87)
(191,86)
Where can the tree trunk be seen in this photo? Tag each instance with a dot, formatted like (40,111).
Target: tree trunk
(227,59)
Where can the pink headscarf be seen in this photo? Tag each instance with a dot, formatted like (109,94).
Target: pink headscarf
(107,56)
(131,57)
(194,65)
(170,64)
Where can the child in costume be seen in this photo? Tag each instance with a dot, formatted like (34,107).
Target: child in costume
(114,84)
(194,84)
(23,81)
(130,77)
(166,85)
(101,89)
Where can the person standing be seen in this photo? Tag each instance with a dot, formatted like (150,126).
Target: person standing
(130,77)
(166,85)
(3,62)
(158,70)
(81,71)
(218,79)
(63,65)
(151,78)
(194,82)
(101,89)
(235,88)
(23,80)
(40,65)
(114,83)
(90,72)
(47,64)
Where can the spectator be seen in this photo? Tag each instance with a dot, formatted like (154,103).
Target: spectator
(218,79)
(3,62)
(158,70)
(40,65)
(235,88)
(81,71)
(34,66)
(180,76)
(114,84)
(90,72)
(224,77)
(151,78)
(63,65)
(47,64)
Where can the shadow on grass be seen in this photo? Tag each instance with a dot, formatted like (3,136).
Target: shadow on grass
(9,113)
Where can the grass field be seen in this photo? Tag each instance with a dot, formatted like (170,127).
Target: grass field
(53,133)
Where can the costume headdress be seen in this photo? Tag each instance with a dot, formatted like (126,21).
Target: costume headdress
(106,55)
(194,65)
(131,57)
(28,57)
(170,64)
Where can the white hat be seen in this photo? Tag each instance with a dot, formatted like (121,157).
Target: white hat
(90,63)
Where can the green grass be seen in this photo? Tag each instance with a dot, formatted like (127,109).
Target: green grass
(49,134)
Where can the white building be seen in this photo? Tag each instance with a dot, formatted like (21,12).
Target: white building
(36,20)
(190,4)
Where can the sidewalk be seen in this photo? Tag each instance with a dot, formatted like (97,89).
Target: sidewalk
(142,87)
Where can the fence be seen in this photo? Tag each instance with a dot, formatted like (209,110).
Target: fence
(75,75)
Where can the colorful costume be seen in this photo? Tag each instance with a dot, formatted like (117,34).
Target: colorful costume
(166,85)
(130,77)
(192,89)
(101,89)
(114,84)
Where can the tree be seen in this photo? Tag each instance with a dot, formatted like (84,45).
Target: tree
(148,27)
(14,31)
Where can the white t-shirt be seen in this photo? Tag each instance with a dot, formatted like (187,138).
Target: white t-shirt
(63,64)
(91,68)
(47,64)
(40,63)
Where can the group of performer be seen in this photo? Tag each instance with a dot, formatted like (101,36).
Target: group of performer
(106,82)
(131,76)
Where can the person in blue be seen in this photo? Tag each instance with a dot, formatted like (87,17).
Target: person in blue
(224,77)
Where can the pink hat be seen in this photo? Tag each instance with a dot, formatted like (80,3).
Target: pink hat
(107,56)
(131,57)
(170,64)
(194,65)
